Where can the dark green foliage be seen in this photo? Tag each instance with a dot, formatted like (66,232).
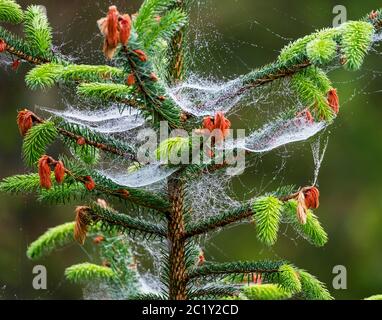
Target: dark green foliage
(221,270)
(123,222)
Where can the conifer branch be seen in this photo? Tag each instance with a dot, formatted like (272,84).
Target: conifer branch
(125,223)
(214,291)
(74,133)
(283,68)
(220,270)
(218,221)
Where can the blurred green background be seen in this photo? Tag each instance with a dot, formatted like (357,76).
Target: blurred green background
(241,35)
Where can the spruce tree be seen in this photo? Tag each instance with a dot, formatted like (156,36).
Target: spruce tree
(147,53)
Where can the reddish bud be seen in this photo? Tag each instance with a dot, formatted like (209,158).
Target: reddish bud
(45,172)
(125,29)
(201,259)
(301,208)
(220,122)
(16,64)
(312,198)
(59,172)
(83,220)
(373,15)
(3,46)
(102,203)
(333,100)
(208,123)
(130,79)
(141,55)
(98,240)
(162,98)
(89,183)
(81,141)
(106,264)
(158,18)
(112,27)
(24,121)
(153,77)
(257,278)
(306,115)
(124,193)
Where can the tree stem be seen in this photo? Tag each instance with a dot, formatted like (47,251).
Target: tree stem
(177,242)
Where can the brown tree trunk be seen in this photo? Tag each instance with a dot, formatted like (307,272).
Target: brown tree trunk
(177,242)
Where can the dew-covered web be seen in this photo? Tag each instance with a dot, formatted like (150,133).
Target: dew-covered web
(269,114)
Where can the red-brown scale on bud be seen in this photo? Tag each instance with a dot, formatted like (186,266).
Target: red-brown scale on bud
(201,258)
(112,27)
(312,198)
(89,183)
(82,222)
(44,172)
(219,122)
(16,64)
(3,45)
(373,15)
(130,79)
(59,172)
(141,55)
(306,115)
(98,239)
(81,141)
(124,29)
(24,121)
(125,194)
(153,77)
(333,100)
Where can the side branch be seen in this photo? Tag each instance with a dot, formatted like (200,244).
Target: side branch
(235,268)
(279,70)
(125,222)
(76,137)
(219,221)
(18,48)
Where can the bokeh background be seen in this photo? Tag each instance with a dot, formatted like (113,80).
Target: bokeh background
(238,35)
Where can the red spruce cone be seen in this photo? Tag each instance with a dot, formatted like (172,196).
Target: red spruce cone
(98,240)
(16,64)
(219,122)
(59,172)
(141,55)
(45,172)
(130,79)
(89,184)
(125,29)
(312,198)
(333,100)
(81,226)
(3,46)
(81,141)
(153,77)
(24,121)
